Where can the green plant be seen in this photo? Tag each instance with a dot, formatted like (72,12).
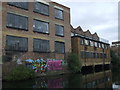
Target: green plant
(20,73)
(74,63)
(6,58)
(114,57)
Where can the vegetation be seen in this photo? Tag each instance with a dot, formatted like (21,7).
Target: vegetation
(115,59)
(20,73)
(6,58)
(74,63)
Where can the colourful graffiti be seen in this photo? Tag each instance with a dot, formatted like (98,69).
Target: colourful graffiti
(54,65)
(41,65)
(55,83)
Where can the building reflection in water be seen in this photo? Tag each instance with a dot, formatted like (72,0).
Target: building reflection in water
(93,80)
(98,80)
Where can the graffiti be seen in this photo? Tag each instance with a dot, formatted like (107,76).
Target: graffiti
(55,83)
(54,65)
(41,65)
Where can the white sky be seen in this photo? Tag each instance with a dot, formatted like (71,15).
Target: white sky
(97,16)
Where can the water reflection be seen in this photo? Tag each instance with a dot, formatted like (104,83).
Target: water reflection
(94,80)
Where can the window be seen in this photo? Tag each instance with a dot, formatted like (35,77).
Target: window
(41,8)
(87,55)
(82,54)
(91,43)
(97,55)
(17,21)
(86,42)
(99,45)
(23,5)
(58,13)
(14,43)
(81,41)
(40,45)
(40,26)
(59,30)
(102,45)
(92,56)
(101,55)
(59,47)
(96,45)
(105,55)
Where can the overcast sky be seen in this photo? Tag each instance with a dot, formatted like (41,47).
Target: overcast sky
(100,17)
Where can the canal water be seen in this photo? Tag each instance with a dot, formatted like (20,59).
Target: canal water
(101,79)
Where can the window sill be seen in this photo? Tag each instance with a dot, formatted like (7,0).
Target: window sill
(17,28)
(16,50)
(40,51)
(59,35)
(18,7)
(41,32)
(59,18)
(59,53)
(41,13)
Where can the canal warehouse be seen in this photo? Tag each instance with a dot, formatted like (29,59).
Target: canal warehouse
(91,49)
(35,29)
(42,29)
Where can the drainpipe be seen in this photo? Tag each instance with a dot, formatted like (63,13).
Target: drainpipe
(103,59)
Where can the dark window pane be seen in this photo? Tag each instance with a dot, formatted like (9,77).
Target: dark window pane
(82,54)
(40,26)
(17,21)
(41,8)
(58,13)
(23,5)
(40,45)
(16,43)
(59,30)
(97,55)
(59,47)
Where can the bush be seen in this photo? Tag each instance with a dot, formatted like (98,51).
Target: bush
(20,73)
(115,58)
(74,63)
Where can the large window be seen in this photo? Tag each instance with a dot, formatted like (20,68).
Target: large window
(14,43)
(96,44)
(91,43)
(58,13)
(59,47)
(102,45)
(23,5)
(41,8)
(86,42)
(40,26)
(17,21)
(40,45)
(82,54)
(59,30)
(81,41)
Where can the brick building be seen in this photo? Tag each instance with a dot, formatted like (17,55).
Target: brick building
(35,29)
(89,47)
(42,29)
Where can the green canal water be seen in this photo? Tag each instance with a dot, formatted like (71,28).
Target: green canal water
(102,79)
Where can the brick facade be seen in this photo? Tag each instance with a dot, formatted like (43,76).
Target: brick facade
(30,34)
(77,47)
